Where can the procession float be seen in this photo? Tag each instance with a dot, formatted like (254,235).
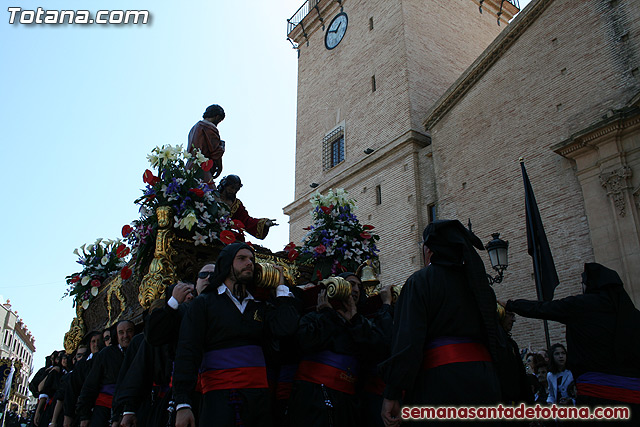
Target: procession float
(183,224)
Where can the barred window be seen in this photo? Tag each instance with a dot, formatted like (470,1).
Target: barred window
(333,148)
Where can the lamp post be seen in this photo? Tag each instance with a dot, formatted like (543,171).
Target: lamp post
(498,255)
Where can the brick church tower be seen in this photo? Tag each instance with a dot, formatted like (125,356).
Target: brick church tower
(368,73)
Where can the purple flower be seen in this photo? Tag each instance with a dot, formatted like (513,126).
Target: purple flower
(173,187)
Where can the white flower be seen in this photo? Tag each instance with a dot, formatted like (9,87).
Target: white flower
(201,207)
(200,158)
(153,160)
(189,221)
(94,291)
(199,239)
(75,251)
(85,280)
(105,260)
(85,305)
(82,247)
(90,247)
(177,150)
(206,217)
(187,155)
(348,254)
(166,153)
(213,235)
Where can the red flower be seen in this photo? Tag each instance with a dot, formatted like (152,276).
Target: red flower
(122,251)
(293,255)
(75,279)
(206,166)
(237,224)
(365,235)
(198,192)
(326,209)
(227,237)
(125,273)
(291,246)
(368,227)
(307,228)
(320,249)
(126,230)
(95,283)
(149,178)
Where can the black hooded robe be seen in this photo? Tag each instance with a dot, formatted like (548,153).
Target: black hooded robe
(213,323)
(449,302)
(603,331)
(100,382)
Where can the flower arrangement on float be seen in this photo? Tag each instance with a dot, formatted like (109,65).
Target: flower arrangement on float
(178,185)
(99,260)
(336,241)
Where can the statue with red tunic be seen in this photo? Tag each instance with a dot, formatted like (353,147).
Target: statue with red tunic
(257,227)
(205,136)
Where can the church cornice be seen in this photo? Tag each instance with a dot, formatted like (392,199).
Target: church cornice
(485,61)
(614,123)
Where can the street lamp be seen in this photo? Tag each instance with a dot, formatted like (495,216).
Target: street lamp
(498,255)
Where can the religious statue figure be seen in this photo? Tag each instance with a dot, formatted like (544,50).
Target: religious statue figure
(257,227)
(205,136)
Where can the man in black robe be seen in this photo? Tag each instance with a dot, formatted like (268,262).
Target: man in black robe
(334,344)
(78,375)
(94,402)
(117,409)
(145,391)
(445,328)
(222,335)
(603,338)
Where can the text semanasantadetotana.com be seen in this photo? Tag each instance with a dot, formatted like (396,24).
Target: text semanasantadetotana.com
(522,412)
(41,16)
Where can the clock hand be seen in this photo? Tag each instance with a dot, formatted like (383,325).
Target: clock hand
(337,28)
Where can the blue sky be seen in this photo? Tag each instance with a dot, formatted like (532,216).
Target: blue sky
(82,105)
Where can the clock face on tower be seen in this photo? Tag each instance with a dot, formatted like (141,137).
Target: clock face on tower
(336,30)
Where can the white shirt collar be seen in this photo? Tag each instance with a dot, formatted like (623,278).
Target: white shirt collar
(222,289)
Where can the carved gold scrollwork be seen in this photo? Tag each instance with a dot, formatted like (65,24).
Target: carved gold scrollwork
(74,336)
(162,271)
(291,272)
(115,291)
(615,182)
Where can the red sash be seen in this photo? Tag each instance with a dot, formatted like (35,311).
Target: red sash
(610,387)
(455,353)
(233,368)
(224,379)
(104,399)
(319,373)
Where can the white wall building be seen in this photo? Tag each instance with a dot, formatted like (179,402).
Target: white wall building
(17,345)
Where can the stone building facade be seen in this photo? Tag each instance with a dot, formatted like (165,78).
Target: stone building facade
(397,57)
(17,344)
(559,87)
(449,102)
